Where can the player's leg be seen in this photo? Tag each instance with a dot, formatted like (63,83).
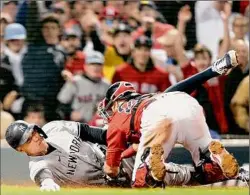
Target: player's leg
(219,67)
(215,161)
(155,129)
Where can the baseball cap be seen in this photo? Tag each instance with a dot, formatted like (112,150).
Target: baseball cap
(7,2)
(143,41)
(94,57)
(122,28)
(15,31)
(109,12)
(147,3)
(72,32)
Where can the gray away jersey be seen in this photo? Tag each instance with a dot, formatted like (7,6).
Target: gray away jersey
(74,162)
(84,95)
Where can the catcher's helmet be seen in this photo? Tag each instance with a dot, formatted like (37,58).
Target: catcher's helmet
(117,91)
(18,133)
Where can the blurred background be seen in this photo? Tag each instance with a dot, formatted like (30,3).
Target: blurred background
(59,57)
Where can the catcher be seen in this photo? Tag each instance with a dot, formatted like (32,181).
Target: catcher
(157,122)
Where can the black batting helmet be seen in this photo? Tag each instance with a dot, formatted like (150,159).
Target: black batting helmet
(19,132)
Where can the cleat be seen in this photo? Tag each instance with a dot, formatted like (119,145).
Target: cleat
(226,63)
(224,159)
(243,175)
(156,164)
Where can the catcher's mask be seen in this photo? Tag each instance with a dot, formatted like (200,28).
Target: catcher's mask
(116,92)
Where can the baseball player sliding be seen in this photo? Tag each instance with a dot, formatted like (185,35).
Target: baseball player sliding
(61,155)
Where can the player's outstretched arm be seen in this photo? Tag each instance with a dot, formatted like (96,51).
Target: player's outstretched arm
(219,67)
(46,181)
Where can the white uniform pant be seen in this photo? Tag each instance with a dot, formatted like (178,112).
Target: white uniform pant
(188,128)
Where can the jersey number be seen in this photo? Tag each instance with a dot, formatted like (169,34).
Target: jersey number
(127,106)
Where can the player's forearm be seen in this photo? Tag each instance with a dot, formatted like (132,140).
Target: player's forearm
(42,175)
(93,134)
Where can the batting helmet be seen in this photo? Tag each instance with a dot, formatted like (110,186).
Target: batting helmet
(19,132)
(118,91)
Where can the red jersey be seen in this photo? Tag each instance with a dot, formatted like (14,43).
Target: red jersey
(119,132)
(159,30)
(152,80)
(215,91)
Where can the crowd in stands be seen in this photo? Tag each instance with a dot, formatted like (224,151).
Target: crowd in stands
(59,57)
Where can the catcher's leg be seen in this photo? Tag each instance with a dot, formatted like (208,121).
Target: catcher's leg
(219,67)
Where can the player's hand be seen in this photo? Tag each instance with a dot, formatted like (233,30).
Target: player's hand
(49,185)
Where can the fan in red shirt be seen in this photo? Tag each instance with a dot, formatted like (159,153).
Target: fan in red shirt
(141,72)
(71,41)
(214,86)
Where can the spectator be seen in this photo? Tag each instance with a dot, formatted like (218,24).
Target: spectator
(118,53)
(71,42)
(173,44)
(233,80)
(33,113)
(7,80)
(240,105)
(131,11)
(225,42)
(208,16)
(78,9)
(42,66)
(183,10)
(89,24)
(240,6)
(109,19)
(146,77)
(150,27)
(4,21)
(85,91)
(97,6)
(6,120)
(240,28)
(15,36)
(210,95)
(10,7)
(62,11)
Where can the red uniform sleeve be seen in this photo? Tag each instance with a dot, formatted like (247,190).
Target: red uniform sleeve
(116,144)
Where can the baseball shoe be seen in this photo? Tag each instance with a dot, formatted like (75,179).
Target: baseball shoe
(226,161)
(223,65)
(156,164)
(243,175)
